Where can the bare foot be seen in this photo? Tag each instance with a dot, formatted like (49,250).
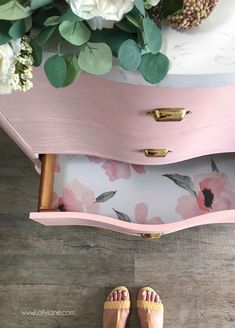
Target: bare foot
(116,308)
(150,309)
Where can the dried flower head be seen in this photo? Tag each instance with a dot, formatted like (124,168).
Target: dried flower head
(23,67)
(156,13)
(192,14)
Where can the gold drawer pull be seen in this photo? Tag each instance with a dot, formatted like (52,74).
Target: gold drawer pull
(169,114)
(156,152)
(151,235)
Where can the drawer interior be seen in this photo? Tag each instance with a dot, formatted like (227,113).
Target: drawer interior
(150,194)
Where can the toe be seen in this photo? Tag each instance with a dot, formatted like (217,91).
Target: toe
(115,296)
(110,297)
(158,299)
(148,295)
(143,295)
(125,295)
(152,296)
(119,295)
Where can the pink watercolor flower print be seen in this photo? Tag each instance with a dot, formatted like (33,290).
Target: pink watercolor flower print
(76,197)
(209,192)
(141,215)
(138,168)
(187,207)
(215,192)
(117,170)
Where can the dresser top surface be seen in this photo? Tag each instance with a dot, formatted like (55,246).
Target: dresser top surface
(207,49)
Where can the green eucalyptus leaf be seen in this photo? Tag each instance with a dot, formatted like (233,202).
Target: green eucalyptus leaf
(126,26)
(17,29)
(152,35)
(129,55)
(35,4)
(154,67)
(40,16)
(37,53)
(98,36)
(75,32)
(13,10)
(95,58)
(115,38)
(140,6)
(20,27)
(70,16)
(56,69)
(28,23)
(135,19)
(149,3)
(141,40)
(4,28)
(45,35)
(73,69)
(52,20)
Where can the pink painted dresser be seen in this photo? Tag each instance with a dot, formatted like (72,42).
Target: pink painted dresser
(119,154)
(129,158)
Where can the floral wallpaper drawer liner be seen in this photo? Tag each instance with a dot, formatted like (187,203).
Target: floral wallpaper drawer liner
(144,194)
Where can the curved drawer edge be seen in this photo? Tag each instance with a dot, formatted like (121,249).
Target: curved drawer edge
(152,160)
(93,220)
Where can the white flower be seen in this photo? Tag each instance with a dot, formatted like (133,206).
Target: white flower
(7,68)
(8,52)
(110,10)
(98,23)
(15,66)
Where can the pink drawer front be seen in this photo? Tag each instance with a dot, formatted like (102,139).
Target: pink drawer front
(135,199)
(109,119)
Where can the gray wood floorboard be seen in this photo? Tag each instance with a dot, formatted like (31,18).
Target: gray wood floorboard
(73,268)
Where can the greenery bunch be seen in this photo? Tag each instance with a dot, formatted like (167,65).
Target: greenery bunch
(135,41)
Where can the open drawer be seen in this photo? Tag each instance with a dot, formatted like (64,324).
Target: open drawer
(133,199)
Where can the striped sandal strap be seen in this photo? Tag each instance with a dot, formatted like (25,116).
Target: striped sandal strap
(148,305)
(152,306)
(117,305)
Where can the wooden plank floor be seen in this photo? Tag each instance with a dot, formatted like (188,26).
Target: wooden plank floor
(72,268)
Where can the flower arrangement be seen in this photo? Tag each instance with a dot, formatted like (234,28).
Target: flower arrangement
(86,35)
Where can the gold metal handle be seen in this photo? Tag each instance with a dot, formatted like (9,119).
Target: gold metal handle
(151,235)
(169,114)
(156,152)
